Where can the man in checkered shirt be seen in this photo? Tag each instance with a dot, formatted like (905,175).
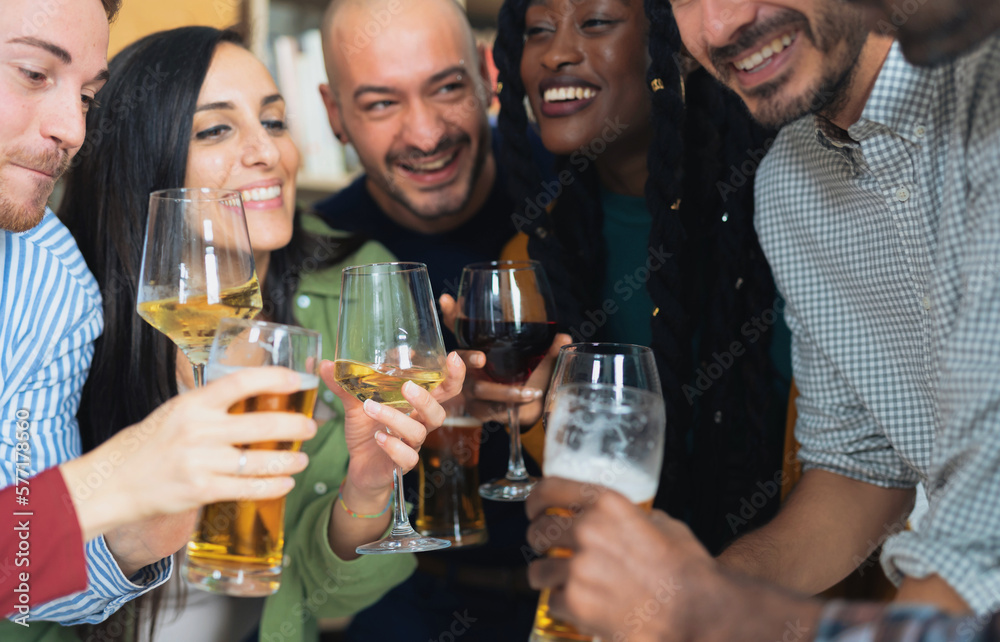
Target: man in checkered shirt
(879,209)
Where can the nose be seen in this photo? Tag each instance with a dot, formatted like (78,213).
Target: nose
(722,20)
(260,149)
(424,126)
(563,49)
(62,120)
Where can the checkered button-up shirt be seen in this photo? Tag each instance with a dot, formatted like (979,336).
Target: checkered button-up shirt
(885,242)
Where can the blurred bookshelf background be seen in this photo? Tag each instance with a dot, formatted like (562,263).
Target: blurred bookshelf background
(285,35)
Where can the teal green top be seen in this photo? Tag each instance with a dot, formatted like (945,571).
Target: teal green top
(315,583)
(626,227)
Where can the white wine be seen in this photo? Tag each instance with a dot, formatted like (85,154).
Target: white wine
(192,324)
(383,383)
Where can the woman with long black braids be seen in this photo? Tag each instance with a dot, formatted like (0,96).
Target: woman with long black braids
(645,227)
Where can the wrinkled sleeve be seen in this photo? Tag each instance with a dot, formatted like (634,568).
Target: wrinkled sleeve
(836,432)
(869,622)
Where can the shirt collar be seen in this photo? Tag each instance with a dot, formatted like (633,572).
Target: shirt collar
(900,102)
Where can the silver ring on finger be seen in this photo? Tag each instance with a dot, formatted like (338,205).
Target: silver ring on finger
(242,464)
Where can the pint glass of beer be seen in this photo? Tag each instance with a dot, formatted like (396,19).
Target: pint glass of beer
(610,436)
(236,548)
(449,506)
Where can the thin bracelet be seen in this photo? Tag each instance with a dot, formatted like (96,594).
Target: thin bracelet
(340,498)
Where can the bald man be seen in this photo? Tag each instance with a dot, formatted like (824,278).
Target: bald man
(409,89)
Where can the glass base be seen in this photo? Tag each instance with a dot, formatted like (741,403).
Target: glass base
(231,578)
(508,490)
(403,544)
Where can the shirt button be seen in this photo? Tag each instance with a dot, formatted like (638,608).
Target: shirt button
(926,302)
(303,301)
(320,488)
(902,195)
(920,131)
(328,396)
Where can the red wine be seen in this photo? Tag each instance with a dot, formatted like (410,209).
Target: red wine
(513,350)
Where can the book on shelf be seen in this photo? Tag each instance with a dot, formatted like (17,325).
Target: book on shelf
(299,72)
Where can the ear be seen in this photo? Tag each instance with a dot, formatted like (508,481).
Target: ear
(332,112)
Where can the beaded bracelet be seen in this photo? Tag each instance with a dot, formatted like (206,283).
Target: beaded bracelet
(340,498)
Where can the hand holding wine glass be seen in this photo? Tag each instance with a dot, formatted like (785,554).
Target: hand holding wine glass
(505,310)
(387,335)
(197,268)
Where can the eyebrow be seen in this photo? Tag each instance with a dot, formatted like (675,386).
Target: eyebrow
(53,49)
(436,78)
(57,51)
(266,100)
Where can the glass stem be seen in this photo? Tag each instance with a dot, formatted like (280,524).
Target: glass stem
(199,375)
(515,465)
(400,521)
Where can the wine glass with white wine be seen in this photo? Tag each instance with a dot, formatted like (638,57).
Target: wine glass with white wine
(387,334)
(197,268)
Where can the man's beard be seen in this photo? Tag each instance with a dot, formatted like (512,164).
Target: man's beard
(22,216)
(437,209)
(838,25)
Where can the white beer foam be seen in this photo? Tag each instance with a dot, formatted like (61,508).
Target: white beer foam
(215,371)
(617,474)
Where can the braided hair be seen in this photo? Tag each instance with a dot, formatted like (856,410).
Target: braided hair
(713,280)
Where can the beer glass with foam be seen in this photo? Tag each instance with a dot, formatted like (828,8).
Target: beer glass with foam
(606,435)
(237,546)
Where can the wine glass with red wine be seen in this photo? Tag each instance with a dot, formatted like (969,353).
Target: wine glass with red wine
(505,310)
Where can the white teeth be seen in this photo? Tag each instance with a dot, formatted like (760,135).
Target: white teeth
(431,166)
(261,193)
(756,59)
(559,94)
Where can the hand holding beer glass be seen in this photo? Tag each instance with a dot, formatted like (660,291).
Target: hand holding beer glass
(607,435)
(197,268)
(237,546)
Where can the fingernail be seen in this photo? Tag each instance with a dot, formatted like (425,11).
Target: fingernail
(454,358)
(372,408)
(380,437)
(302,459)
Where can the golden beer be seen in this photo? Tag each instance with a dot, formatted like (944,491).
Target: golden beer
(636,484)
(191,324)
(244,539)
(383,383)
(449,505)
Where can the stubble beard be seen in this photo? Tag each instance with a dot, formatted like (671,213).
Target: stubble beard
(446,205)
(844,28)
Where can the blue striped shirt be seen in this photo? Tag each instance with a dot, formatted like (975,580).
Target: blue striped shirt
(886,246)
(50,315)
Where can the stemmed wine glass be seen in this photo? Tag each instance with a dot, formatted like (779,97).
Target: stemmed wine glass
(387,334)
(505,309)
(197,268)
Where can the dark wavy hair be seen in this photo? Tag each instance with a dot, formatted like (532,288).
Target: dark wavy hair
(715,280)
(137,142)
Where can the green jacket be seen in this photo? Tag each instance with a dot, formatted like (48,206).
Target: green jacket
(315,583)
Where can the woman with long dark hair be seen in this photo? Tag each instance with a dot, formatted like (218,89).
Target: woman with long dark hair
(192,107)
(645,227)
